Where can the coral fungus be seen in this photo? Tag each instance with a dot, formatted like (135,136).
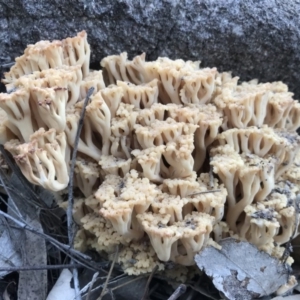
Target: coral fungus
(171,155)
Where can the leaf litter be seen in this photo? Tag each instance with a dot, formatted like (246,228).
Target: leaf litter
(240,271)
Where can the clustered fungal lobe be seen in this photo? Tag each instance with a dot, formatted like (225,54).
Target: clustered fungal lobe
(172,157)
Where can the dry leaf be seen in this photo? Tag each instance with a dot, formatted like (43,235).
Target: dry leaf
(9,251)
(32,284)
(240,271)
(62,288)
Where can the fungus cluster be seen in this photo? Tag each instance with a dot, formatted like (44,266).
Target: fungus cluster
(171,156)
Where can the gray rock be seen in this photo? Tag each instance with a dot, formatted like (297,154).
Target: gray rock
(253,38)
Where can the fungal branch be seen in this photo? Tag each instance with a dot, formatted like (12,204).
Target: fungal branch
(164,157)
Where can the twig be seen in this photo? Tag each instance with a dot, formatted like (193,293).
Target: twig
(73,162)
(71,231)
(31,268)
(90,286)
(205,192)
(190,295)
(148,283)
(119,277)
(76,281)
(19,174)
(128,282)
(111,294)
(178,292)
(202,291)
(27,193)
(53,241)
(37,205)
(114,281)
(109,274)
(16,210)
(12,234)
(156,285)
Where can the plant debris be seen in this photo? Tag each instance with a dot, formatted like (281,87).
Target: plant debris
(62,287)
(240,271)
